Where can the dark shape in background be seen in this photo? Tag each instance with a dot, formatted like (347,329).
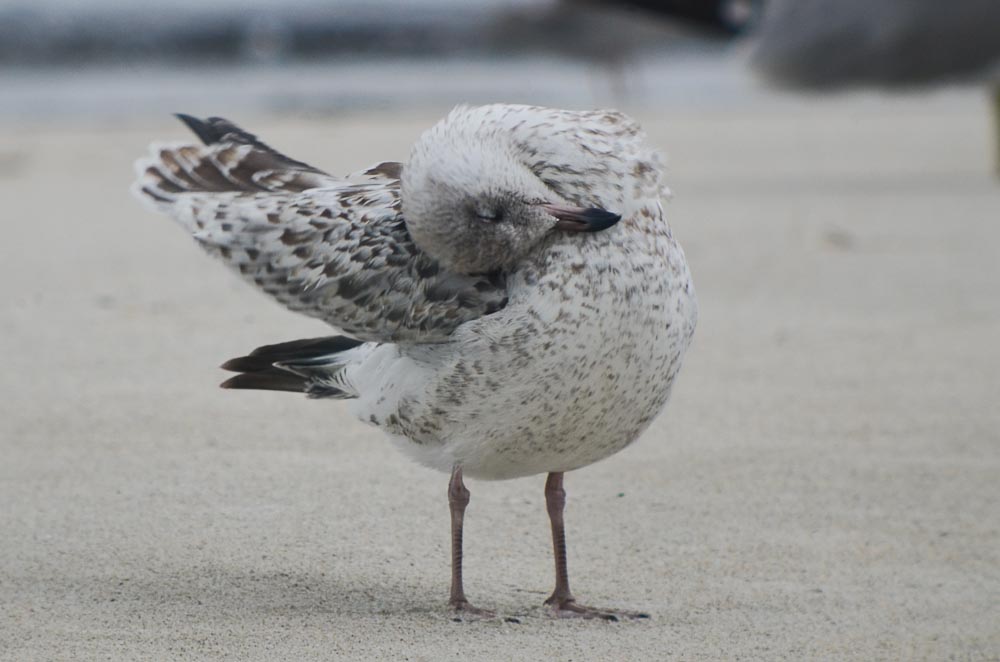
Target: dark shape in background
(54,33)
(824,45)
(828,44)
(725,17)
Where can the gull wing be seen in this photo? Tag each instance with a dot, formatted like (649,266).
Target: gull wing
(336,249)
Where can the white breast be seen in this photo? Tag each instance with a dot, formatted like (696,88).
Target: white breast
(571,371)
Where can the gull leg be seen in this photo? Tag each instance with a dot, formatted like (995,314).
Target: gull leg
(458,499)
(562,601)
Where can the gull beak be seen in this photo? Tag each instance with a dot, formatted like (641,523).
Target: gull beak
(578,219)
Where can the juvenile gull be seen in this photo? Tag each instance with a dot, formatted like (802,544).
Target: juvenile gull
(512,299)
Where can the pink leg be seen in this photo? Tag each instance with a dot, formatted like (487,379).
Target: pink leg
(458,499)
(562,601)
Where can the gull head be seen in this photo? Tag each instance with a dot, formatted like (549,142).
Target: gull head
(474,206)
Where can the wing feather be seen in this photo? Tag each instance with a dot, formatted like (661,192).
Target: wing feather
(331,248)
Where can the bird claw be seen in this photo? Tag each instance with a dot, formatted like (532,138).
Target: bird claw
(463,608)
(568,608)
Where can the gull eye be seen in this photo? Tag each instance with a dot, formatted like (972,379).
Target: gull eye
(490,215)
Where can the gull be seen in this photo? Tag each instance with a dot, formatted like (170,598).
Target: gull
(511,301)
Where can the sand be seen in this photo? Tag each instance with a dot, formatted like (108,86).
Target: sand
(824,484)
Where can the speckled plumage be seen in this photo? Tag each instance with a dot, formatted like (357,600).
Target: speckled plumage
(548,364)
(332,248)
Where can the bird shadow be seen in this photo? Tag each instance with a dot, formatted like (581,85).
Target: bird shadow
(225,593)
(229,592)
(218,592)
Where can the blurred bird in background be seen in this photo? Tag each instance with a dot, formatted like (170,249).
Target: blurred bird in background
(826,45)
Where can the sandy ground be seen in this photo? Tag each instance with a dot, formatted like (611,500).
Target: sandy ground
(823,485)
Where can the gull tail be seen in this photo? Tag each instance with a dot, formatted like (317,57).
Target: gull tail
(313,366)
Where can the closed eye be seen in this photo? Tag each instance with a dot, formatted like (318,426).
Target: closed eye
(490,216)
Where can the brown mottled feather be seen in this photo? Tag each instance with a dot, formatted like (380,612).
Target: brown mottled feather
(332,248)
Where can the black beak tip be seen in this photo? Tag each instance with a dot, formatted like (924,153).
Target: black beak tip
(591,219)
(596,219)
(601,219)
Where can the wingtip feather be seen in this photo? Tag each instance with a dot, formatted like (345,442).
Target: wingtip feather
(246,364)
(266,381)
(205,132)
